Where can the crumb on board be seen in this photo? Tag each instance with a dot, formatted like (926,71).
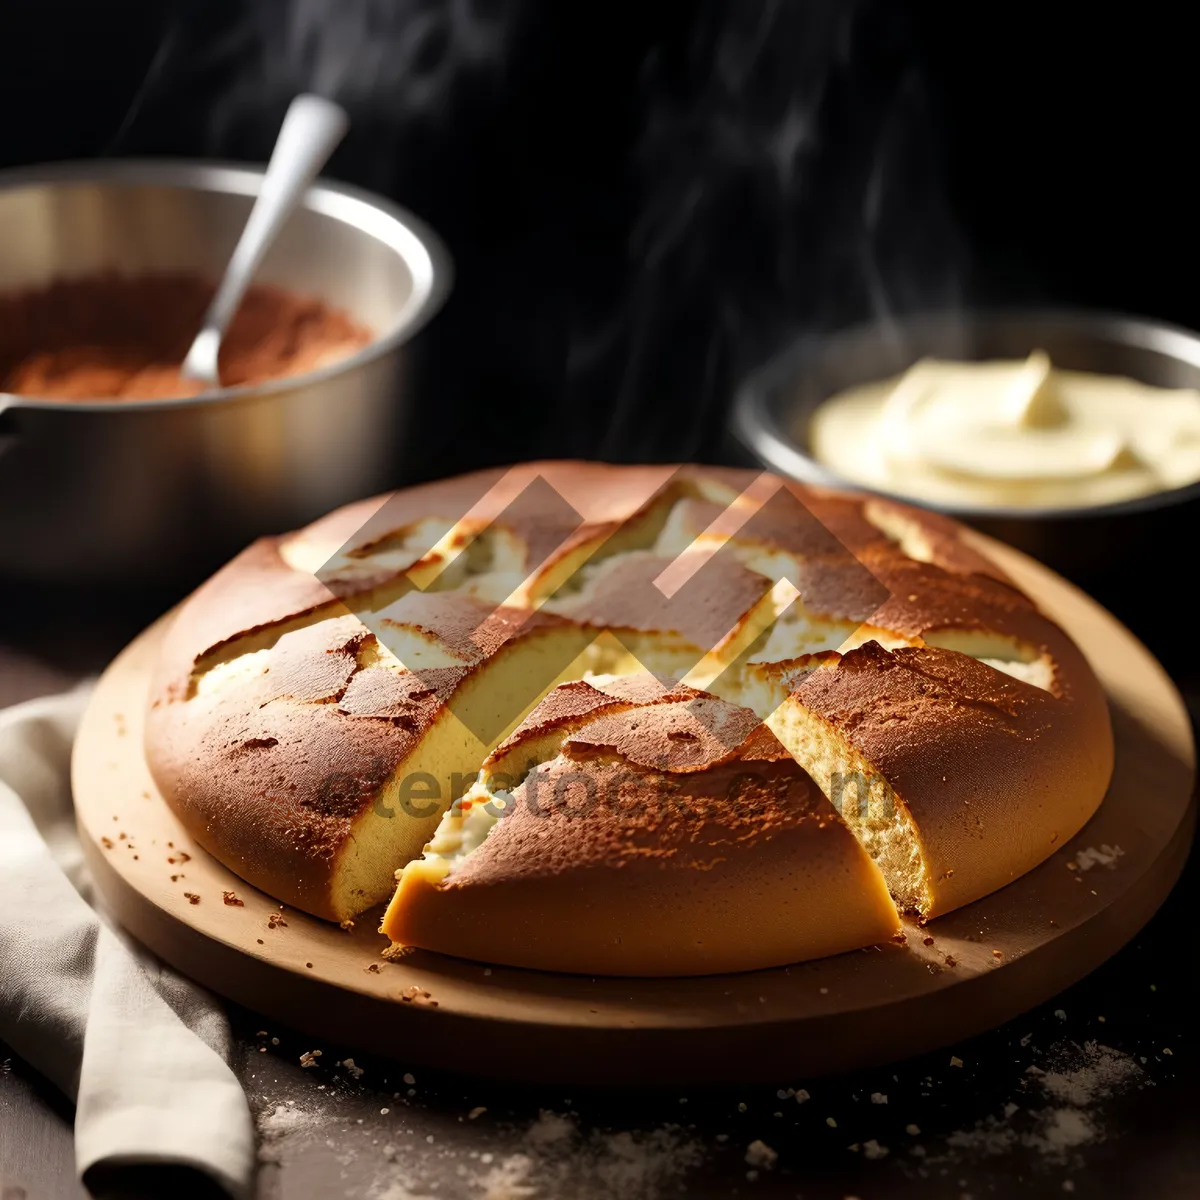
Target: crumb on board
(759,1154)
(416,995)
(191,897)
(232,900)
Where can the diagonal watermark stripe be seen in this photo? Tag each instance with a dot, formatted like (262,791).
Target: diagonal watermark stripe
(526,547)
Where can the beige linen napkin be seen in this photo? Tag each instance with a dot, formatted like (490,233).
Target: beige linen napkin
(142,1052)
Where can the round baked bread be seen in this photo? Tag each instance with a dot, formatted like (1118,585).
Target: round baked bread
(325,699)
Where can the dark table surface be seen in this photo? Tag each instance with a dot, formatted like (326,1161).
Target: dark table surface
(1093,1094)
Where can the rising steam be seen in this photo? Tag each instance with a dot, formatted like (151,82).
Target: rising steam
(645,202)
(790,185)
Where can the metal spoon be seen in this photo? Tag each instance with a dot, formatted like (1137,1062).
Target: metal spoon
(310,132)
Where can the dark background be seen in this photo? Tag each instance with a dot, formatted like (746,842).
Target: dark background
(645,200)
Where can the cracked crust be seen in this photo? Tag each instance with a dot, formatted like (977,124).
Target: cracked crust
(992,772)
(649,846)
(307,680)
(302,750)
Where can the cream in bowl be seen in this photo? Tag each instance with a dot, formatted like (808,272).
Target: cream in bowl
(1010,434)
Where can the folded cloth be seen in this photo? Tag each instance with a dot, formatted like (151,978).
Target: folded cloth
(142,1052)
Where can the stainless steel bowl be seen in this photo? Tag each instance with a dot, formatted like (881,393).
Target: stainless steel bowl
(772,414)
(161,491)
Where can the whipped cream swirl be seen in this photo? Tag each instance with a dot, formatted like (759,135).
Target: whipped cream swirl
(1010,434)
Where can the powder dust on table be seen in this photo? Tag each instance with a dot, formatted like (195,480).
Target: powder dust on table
(398,1153)
(1059,1109)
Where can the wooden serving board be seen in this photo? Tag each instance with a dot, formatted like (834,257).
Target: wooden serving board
(1050,927)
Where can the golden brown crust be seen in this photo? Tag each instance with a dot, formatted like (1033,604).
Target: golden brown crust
(696,735)
(253,592)
(260,589)
(468,629)
(572,704)
(271,684)
(994,772)
(274,771)
(626,596)
(271,773)
(937,537)
(713,859)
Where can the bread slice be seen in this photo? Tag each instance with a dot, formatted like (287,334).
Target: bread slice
(955,776)
(347,757)
(675,837)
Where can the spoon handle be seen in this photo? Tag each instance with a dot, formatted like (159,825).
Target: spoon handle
(311,131)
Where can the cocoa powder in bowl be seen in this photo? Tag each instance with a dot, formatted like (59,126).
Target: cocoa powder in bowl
(111,336)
